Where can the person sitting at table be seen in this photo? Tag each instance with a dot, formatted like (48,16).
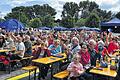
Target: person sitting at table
(85,56)
(113,45)
(101,48)
(92,51)
(76,70)
(28,46)
(50,39)
(55,48)
(64,46)
(2,44)
(9,41)
(97,48)
(41,52)
(20,49)
(74,47)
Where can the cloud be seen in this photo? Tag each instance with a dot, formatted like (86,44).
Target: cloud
(7,5)
(112,5)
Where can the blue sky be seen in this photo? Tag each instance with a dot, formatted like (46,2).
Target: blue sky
(7,5)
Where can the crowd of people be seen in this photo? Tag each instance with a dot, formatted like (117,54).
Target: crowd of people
(82,48)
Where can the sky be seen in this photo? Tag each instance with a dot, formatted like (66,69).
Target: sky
(7,5)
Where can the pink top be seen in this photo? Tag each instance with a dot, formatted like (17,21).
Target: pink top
(76,67)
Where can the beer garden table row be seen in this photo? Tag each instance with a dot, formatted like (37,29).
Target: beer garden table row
(50,60)
(107,71)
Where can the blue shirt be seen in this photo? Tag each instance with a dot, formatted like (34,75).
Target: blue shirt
(56,50)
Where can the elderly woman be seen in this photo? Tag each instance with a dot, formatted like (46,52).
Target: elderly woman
(55,48)
(101,48)
(92,51)
(74,47)
(85,56)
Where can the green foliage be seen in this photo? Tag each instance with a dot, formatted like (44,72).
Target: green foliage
(43,15)
(68,22)
(93,20)
(90,15)
(70,9)
(118,15)
(45,9)
(1,20)
(80,22)
(25,14)
(35,23)
(47,20)
(86,7)
(69,14)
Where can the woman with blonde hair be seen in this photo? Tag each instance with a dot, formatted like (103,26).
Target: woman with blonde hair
(75,68)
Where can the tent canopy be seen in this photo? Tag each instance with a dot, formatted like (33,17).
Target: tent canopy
(113,22)
(44,28)
(12,24)
(95,29)
(83,28)
(59,28)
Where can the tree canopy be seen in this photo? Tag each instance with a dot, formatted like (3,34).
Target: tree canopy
(86,13)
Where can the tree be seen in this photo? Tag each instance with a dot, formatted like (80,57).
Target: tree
(68,22)
(86,7)
(41,11)
(24,14)
(69,14)
(19,16)
(70,9)
(35,23)
(92,6)
(93,20)
(104,15)
(80,22)
(1,20)
(118,15)
(47,20)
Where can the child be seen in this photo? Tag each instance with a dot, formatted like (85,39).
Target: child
(75,68)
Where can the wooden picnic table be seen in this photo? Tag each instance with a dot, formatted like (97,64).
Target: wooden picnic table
(50,60)
(105,72)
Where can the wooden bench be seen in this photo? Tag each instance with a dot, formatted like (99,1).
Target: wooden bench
(61,75)
(24,58)
(31,68)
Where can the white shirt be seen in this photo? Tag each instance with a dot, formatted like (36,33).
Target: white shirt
(21,46)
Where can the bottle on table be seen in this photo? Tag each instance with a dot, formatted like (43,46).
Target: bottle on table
(113,62)
(97,63)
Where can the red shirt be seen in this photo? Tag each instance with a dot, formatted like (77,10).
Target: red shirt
(105,51)
(112,46)
(85,57)
(50,41)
